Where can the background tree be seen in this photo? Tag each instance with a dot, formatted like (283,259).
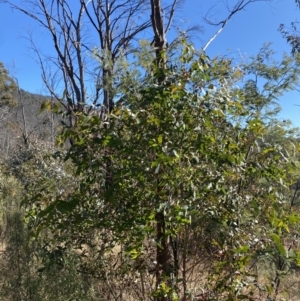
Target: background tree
(292,34)
(7,88)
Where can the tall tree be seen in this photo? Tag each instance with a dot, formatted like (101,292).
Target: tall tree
(160,45)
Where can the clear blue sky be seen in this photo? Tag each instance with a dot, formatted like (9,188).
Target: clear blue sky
(244,34)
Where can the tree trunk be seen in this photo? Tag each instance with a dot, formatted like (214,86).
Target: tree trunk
(163,257)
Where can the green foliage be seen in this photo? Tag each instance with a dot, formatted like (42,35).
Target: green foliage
(191,153)
(7,87)
(43,269)
(267,79)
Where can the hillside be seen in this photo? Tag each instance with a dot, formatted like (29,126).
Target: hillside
(24,121)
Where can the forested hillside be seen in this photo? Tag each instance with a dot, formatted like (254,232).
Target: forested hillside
(151,171)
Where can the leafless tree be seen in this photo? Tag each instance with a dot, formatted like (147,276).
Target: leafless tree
(77,28)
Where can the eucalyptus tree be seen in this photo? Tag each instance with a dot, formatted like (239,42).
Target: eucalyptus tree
(193,195)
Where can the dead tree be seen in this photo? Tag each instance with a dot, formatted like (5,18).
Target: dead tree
(82,30)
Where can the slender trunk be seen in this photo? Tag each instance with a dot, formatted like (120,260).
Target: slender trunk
(163,257)
(107,92)
(24,132)
(184,261)
(162,250)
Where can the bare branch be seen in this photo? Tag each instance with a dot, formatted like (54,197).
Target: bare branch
(172,11)
(113,23)
(239,6)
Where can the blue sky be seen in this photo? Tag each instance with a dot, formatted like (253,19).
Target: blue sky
(243,35)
